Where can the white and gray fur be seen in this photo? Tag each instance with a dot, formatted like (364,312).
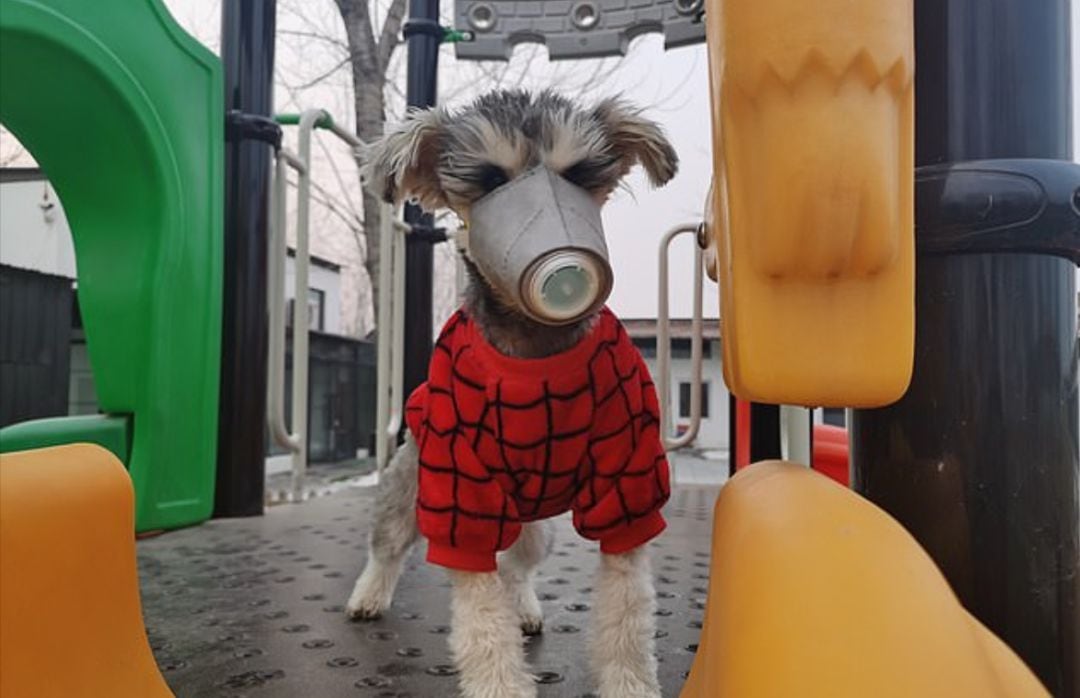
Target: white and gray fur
(440,158)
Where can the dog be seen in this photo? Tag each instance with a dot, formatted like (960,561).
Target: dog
(457,160)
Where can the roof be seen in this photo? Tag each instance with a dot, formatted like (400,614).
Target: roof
(680,327)
(21,174)
(317,261)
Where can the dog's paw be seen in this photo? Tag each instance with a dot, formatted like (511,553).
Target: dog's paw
(364,609)
(369,599)
(530,614)
(531,625)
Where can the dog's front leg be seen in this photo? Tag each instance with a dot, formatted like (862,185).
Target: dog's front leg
(624,627)
(393,532)
(485,638)
(517,566)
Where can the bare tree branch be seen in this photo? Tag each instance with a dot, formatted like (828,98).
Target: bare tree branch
(389,36)
(338,43)
(329,202)
(325,74)
(361,35)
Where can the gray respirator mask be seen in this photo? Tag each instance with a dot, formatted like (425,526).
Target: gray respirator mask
(539,242)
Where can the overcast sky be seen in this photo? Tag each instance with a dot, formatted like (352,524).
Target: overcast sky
(674,87)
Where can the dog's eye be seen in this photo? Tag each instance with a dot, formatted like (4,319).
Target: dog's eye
(491,177)
(589,173)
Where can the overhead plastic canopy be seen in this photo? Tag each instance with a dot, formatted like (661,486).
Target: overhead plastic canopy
(573,28)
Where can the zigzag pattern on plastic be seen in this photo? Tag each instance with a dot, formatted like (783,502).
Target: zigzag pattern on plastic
(896,76)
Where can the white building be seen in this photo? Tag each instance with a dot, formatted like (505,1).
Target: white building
(713,433)
(324,293)
(35,232)
(38,270)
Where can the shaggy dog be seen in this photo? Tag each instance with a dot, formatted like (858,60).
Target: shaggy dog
(616,480)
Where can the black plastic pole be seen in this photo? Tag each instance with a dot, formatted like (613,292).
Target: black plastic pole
(980,460)
(247,51)
(424,35)
(764,436)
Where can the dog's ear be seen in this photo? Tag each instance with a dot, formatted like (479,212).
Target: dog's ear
(637,140)
(403,164)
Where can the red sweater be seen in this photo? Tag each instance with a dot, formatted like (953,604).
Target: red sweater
(505,440)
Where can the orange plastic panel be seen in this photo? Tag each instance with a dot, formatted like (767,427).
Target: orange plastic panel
(814,592)
(70,621)
(813,135)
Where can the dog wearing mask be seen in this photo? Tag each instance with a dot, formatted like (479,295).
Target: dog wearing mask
(536,402)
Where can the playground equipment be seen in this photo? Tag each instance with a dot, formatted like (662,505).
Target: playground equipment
(66,516)
(816,592)
(817,288)
(832,261)
(585,29)
(980,459)
(150,285)
(391,312)
(663,340)
(140,174)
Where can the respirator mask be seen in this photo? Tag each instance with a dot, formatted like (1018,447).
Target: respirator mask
(539,241)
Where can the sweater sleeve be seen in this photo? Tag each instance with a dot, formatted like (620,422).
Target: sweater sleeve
(629,462)
(462,509)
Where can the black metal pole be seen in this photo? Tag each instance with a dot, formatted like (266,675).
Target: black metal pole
(979,460)
(247,51)
(424,35)
(764,433)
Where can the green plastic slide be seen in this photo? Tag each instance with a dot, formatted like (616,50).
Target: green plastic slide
(123,110)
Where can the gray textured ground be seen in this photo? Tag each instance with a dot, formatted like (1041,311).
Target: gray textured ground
(252,607)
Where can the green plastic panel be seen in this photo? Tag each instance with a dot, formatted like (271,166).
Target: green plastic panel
(108,431)
(123,110)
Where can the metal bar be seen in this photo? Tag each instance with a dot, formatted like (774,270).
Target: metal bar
(247,54)
(738,434)
(755,433)
(663,342)
(390,313)
(391,338)
(421,92)
(980,459)
(326,123)
(301,323)
(384,356)
(276,297)
(397,374)
(795,434)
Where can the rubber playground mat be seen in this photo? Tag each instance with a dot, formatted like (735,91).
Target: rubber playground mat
(254,607)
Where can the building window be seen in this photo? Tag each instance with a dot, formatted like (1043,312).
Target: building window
(684,400)
(316,301)
(316,310)
(645,345)
(680,347)
(834,416)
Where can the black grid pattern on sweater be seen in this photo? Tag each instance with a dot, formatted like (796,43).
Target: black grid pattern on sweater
(640,424)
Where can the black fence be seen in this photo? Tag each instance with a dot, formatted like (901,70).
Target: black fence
(341,396)
(35,344)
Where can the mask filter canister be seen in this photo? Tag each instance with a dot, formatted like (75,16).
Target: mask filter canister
(564,286)
(539,241)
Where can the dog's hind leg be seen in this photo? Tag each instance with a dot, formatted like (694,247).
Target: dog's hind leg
(485,640)
(623,644)
(393,532)
(516,567)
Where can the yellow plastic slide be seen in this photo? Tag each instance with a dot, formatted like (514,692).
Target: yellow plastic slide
(813,134)
(70,621)
(816,593)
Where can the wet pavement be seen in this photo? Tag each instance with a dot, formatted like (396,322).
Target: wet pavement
(254,607)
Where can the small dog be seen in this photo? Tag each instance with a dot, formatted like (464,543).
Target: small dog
(442,159)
